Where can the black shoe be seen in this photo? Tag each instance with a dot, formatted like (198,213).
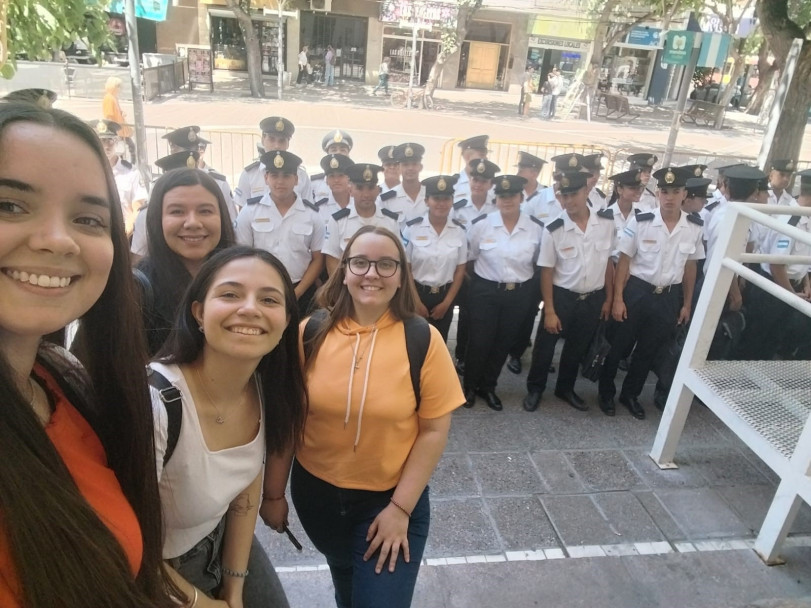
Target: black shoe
(551,369)
(514,364)
(532,401)
(623,365)
(470,398)
(460,367)
(608,406)
(572,399)
(660,399)
(493,402)
(633,405)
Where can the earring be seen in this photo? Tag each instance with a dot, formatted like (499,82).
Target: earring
(202,331)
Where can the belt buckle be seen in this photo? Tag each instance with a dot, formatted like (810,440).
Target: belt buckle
(582,296)
(658,290)
(434,290)
(509,286)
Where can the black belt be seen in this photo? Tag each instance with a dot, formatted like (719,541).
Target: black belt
(651,288)
(581,296)
(431,289)
(502,286)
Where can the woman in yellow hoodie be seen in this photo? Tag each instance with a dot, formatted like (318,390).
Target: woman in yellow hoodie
(360,478)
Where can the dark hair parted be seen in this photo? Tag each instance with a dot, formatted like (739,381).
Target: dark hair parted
(164,268)
(279,371)
(335,297)
(64,555)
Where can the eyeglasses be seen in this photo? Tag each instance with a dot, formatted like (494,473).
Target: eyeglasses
(385,267)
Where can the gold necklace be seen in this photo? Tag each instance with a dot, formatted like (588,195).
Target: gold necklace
(219,419)
(359,357)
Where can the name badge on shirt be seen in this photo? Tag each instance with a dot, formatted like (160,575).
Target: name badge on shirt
(262,219)
(649,241)
(420,238)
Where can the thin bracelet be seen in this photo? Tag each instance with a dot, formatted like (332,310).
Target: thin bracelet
(399,506)
(272,498)
(194,599)
(234,573)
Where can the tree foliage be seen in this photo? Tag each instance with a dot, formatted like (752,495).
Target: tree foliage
(452,36)
(242,12)
(37,28)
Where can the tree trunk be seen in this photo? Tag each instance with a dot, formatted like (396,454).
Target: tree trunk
(764,83)
(252,47)
(729,90)
(451,43)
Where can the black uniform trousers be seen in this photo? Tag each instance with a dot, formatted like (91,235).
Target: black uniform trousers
(525,332)
(463,322)
(430,297)
(651,321)
(772,327)
(579,316)
(496,311)
(305,302)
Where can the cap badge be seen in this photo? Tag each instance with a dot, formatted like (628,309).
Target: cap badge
(441,185)
(697,172)
(390,153)
(334,164)
(505,184)
(367,174)
(192,135)
(101,127)
(278,161)
(190,162)
(637,177)
(790,165)
(564,182)
(44,102)
(409,151)
(670,177)
(481,168)
(650,162)
(573,161)
(338,137)
(280,125)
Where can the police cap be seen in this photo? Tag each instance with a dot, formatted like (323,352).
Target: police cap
(341,138)
(280,161)
(187,138)
(697,187)
(568,162)
(478,142)
(695,170)
(572,181)
(643,160)
(785,165)
(386,154)
(627,178)
(483,168)
(509,184)
(439,185)
(335,163)
(363,173)
(276,125)
(185,159)
(671,177)
(527,160)
(593,161)
(409,153)
(745,173)
(805,177)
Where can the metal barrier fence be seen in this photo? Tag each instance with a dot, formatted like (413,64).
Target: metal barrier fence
(167,78)
(66,79)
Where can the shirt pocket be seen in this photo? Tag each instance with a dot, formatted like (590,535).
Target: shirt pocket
(488,246)
(301,235)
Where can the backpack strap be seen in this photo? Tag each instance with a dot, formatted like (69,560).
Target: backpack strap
(311,328)
(171,397)
(417,338)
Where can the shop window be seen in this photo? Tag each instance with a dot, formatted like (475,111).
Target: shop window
(399,50)
(346,34)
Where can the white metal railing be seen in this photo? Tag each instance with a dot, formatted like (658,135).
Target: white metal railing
(767,404)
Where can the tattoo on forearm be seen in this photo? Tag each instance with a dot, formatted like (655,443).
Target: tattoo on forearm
(242,505)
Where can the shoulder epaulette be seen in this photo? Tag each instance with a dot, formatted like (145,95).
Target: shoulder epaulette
(460,203)
(712,206)
(458,223)
(252,166)
(387,195)
(695,218)
(312,206)
(218,176)
(478,219)
(389,213)
(794,220)
(637,211)
(414,221)
(126,163)
(254,200)
(552,226)
(600,192)
(536,220)
(339,215)
(644,217)
(606,214)
(316,176)
(322,201)
(651,191)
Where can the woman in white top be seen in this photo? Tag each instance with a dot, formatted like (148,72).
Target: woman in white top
(233,358)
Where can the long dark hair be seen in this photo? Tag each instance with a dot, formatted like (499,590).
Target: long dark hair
(335,297)
(64,555)
(279,371)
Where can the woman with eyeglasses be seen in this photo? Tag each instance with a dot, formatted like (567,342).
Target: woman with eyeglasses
(373,435)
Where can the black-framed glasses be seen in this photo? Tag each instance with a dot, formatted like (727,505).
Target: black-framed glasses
(385,267)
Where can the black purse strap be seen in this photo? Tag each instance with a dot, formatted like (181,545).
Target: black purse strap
(171,397)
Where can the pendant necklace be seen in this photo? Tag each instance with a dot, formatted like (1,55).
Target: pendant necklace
(219,419)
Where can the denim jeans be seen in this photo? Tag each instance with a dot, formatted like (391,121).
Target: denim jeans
(337,520)
(202,567)
(329,75)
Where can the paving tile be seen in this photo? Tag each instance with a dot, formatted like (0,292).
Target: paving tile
(686,476)
(578,521)
(604,470)
(751,503)
(627,517)
(460,527)
(702,513)
(522,523)
(502,473)
(722,466)
(661,517)
(454,477)
(492,432)
(568,430)
(557,473)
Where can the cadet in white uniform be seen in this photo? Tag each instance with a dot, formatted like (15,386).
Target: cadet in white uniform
(628,186)
(576,280)
(645,161)
(285,225)
(503,250)
(337,182)
(363,212)
(334,142)
(653,287)
(472,148)
(436,248)
(408,199)
(276,135)
(593,163)
(391,169)
(779,179)
(529,167)
(477,199)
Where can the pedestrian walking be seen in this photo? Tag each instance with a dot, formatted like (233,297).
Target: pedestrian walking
(304,68)
(526,92)
(383,77)
(329,66)
(111,110)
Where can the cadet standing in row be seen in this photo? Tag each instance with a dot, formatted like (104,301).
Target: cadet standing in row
(529,167)
(472,148)
(407,199)
(334,142)
(645,162)
(284,224)
(628,187)
(503,250)
(338,195)
(391,168)
(593,163)
(436,248)
(576,280)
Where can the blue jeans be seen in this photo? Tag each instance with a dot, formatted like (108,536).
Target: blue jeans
(337,520)
(329,75)
(202,567)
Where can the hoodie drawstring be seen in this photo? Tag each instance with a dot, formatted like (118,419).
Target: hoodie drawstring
(365,384)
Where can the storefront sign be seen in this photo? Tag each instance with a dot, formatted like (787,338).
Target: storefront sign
(154,10)
(644,36)
(561,28)
(200,62)
(678,46)
(558,43)
(428,13)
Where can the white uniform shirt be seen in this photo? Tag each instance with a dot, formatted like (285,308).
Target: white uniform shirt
(318,189)
(648,200)
(620,222)
(658,256)
(597,199)
(327,205)
(778,243)
(434,256)
(529,197)
(226,191)
(503,256)
(461,188)
(545,206)
(139,245)
(130,189)
(406,208)
(579,258)
(785,198)
(338,232)
(292,237)
(466,212)
(251,186)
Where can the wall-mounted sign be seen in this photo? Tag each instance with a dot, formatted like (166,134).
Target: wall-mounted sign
(714,50)
(428,13)
(644,36)
(154,10)
(678,46)
(548,42)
